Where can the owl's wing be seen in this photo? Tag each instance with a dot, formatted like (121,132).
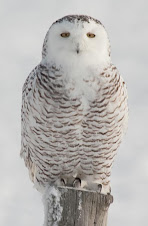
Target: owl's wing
(27,93)
(115,94)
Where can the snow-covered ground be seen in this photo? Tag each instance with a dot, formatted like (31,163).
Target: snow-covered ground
(23,27)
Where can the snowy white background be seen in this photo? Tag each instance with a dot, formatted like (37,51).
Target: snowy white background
(23,27)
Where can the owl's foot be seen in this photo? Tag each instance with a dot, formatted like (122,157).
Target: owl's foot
(62,182)
(99,188)
(104,189)
(109,192)
(77,183)
(70,182)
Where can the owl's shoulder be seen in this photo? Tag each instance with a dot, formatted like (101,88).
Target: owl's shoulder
(27,87)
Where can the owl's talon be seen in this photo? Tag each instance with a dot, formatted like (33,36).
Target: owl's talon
(63,182)
(99,188)
(77,183)
(108,193)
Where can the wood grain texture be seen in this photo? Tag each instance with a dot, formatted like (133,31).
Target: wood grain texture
(83,208)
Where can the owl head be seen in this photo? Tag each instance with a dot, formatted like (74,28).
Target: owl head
(75,38)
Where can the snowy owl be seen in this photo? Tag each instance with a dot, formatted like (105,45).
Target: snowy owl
(74,108)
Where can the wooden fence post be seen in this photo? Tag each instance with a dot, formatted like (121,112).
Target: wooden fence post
(73,207)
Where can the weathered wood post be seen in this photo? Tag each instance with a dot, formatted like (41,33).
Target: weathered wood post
(73,207)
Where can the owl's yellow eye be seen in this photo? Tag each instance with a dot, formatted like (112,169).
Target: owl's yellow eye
(65,34)
(90,35)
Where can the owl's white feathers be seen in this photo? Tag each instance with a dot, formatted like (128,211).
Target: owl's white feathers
(74,107)
(91,50)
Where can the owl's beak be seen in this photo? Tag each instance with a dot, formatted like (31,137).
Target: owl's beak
(77,51)
(78,48)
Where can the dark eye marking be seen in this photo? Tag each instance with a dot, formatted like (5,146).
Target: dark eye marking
(90,35)
(65,34)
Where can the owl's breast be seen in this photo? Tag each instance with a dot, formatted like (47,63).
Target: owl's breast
(75,117)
